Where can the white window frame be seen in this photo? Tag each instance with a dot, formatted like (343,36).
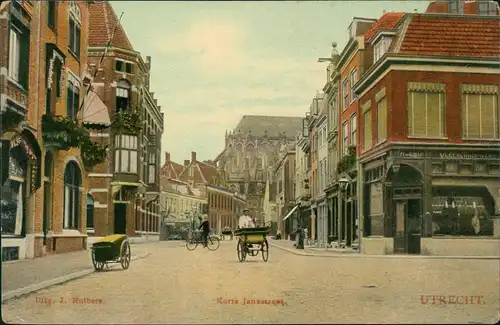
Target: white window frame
(75,15)
(345,136)
(496,118)
(152,168)
(380,48)
(345,94)
(353,79)
(353,129)
(334,111)
(126,154)
(14,53)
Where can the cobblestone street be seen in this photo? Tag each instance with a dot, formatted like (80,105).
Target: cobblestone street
(176,286)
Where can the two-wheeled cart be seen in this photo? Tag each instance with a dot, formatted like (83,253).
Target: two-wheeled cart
(111,249)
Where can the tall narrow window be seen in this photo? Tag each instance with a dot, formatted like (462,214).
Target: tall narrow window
(73,97)
(367,125)
(345,137)
(14,53)
(354,79)
(51,14)
(152,169)
(72,183)
(381,100)
(426,103)
(480,112)
(353,128)
(122,95)
(345,94)
(74,30)
(90,211)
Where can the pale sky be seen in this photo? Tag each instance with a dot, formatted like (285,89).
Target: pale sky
(213,62)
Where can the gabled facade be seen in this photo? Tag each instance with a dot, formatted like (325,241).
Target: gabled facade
(285,193)
(199,174)
(125,189)
(429,136)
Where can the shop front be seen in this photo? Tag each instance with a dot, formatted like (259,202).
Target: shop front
(432,201)
(333,215)
(21,177)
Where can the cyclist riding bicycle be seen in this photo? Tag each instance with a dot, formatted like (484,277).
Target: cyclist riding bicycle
(206,230)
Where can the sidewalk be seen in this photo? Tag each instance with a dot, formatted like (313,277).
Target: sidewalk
(287,246)
(24,276)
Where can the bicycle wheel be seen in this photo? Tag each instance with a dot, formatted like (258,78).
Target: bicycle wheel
(213,243)
(191,244)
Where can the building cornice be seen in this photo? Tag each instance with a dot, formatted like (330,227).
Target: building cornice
(368,79)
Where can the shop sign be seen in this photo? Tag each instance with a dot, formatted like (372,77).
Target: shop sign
(464,155)
(408,154)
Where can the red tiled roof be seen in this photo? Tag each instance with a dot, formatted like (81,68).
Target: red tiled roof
(204,173)
(440,7)
(171,169)
(208,172)
(386,21)
(452,36)
(103,20)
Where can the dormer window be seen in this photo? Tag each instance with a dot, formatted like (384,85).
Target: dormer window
(487,8)
(380,48)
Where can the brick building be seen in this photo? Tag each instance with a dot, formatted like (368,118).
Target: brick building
(224,207)
(124,190)
(285,195)
(199,174)
(429,155)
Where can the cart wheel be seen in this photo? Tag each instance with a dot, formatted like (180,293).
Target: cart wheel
(265,250)
(241,250)
(126,254)
(98,266)
(191,243)
(213,243)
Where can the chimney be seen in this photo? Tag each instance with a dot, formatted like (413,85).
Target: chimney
(186,162)
(167,156)
(193,156)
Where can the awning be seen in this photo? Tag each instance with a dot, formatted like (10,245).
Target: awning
(95,111)
(291,211)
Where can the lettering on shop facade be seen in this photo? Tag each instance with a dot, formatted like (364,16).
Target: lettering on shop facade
(444,155)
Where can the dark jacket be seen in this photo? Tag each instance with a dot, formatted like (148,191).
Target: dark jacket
(205,225)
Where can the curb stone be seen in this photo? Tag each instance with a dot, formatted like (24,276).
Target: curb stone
(17,293)
(359,255)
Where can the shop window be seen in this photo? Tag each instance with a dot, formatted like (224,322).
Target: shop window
(90,211)
(462,211)
(425,110)
(126,153)
(74,30)
(480,112)
(367,125)
(122,95)
(381,116)
(72,183)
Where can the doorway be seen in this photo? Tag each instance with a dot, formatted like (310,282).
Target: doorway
(348,222)
(120,218)
(408,226)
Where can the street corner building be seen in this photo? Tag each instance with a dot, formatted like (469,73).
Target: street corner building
(124,189)
(43,170)
(412,135)
(429,159)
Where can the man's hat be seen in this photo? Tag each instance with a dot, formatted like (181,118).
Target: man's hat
(246,209)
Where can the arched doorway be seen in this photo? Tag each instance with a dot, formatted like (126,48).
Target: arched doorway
(403,193)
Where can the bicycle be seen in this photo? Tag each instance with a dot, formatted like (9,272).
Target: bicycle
(194,239)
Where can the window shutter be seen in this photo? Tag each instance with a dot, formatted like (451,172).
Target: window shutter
(24,58)
(488,116)
(473,120)
(382,119)
(76,102)
(367,123)
(434,115)
(419,114)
